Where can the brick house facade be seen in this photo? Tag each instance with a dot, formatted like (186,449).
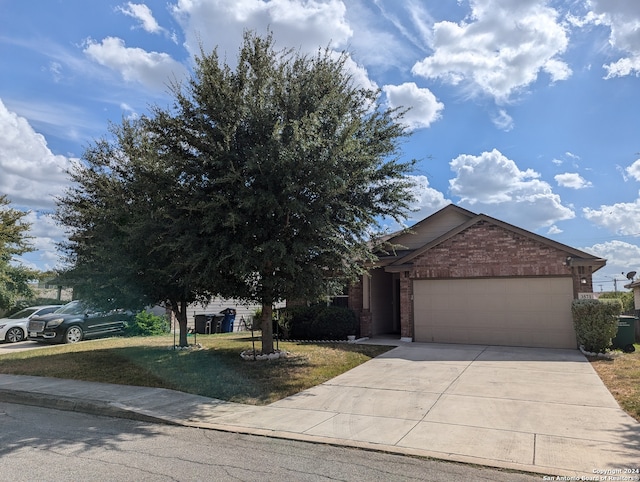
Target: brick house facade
(457,250)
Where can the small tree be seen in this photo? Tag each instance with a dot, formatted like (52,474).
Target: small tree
(14,278)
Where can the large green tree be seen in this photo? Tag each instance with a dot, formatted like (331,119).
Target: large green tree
(14,241)
(122,212)
(295,164)
(260,182)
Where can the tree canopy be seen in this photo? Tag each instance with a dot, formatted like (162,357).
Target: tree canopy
(259,183)
(14,241)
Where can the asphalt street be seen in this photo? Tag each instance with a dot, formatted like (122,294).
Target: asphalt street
(45,444)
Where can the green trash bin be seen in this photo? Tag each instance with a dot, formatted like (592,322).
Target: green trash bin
(626,335)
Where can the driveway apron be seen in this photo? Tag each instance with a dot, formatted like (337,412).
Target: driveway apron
(541,410)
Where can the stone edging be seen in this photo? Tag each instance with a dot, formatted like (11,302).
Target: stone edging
(606,356)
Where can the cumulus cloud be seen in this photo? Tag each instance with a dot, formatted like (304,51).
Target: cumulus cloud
(572,180)
(427,200)
(620,218)
(143,14)
(621,257)
(622,17)
(634,170)
(425,108)
(495,184)
(305,25)
(499,49)
(46,235)
(31,173)
(554,230)
(155,70)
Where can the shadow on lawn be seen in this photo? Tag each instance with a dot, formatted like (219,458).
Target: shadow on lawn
(216,371)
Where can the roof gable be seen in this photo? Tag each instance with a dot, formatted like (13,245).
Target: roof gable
(430,228)
(574,256)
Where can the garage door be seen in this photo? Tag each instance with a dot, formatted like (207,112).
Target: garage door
(532,312)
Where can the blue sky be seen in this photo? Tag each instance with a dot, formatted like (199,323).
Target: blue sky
(525,110)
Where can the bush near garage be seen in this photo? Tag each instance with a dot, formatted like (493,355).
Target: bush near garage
(318,322)
(147,324)
(596,323)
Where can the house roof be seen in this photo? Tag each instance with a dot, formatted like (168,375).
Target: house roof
(462,219)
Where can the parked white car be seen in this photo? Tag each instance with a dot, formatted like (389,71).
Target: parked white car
(14,328)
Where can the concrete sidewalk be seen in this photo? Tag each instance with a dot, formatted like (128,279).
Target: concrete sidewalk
(536,410)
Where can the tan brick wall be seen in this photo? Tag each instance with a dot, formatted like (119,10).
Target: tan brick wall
(487,250)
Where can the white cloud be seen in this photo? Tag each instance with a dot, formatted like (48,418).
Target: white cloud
(425,108)
(623,19)
(499,49)
(554,230)
(503,121)
(572,180)
(306,25)
(494,183)
(634,170)
(46,235)
(620,218)
(155,70)
(31,173)
(142,13)
(621,257)
(426,199)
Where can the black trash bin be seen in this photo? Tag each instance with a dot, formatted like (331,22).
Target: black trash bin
(208,324)
(200,322)
(227,321)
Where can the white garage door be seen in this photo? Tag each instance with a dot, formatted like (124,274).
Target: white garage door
(496,311)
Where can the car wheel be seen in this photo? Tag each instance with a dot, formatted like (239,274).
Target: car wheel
(14,335)
(73,334)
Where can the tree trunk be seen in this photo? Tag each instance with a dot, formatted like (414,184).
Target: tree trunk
(267,328)
(180,310)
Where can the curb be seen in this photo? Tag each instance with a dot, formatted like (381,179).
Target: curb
(69,404)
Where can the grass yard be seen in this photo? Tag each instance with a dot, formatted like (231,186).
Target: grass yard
(622,377)
(216,371)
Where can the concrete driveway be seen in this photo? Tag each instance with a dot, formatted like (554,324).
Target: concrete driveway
(20,346)
(541,410)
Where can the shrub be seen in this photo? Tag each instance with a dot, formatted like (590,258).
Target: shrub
(319,322)
(596,323)
(146,324)
(626,297)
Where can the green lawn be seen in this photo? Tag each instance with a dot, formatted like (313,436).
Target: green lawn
(215,371)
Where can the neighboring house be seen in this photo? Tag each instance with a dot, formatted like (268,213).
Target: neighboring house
(461,277)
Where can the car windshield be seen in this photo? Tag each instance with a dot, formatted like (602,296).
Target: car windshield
(23,314)
(73,308)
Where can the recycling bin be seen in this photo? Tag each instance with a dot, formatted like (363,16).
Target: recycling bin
(227,321)
(626,336)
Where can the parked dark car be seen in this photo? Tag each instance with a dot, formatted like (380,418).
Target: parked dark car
(76,321)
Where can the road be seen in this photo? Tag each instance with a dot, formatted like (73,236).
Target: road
(21,346)
(44,444)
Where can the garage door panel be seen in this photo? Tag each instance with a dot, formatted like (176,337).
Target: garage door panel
(514,311)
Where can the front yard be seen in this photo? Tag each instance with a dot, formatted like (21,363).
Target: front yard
(622,377)
(216,370)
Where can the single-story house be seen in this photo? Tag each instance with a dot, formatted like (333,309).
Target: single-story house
(461,277)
